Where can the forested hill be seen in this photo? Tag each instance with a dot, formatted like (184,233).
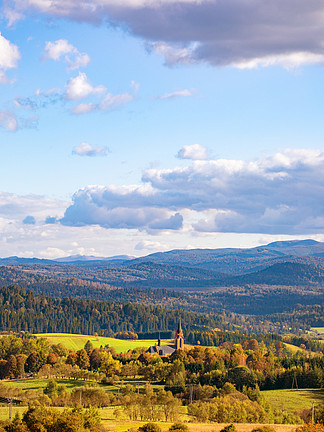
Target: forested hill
(22,310)
(287,273)
(82,281)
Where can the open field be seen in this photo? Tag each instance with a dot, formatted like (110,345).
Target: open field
(123,425)
(41,383)
(76,341)
(294,400)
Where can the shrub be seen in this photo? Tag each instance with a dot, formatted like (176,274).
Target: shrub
(263,429)
(311,427)
(178,427)
(149,427)
(229,428)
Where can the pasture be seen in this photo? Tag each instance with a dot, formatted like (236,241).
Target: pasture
(293,400)
(111,423)
(75,341)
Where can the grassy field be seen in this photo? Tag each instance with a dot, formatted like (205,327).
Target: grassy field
(76,341)
(122,425)
(294,400)
(290,400)
(319,330)
(41,383)
(293,348)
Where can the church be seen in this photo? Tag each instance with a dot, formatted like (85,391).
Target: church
(166,350)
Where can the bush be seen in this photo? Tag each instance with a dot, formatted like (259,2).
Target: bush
(311,427)
(150,427)
(229,428)
(263,429)
(178,427)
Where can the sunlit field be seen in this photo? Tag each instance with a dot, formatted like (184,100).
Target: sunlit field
(76,342)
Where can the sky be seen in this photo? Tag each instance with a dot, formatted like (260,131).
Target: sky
(137,126)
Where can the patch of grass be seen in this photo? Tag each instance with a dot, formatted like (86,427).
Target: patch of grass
(293,400)
(76,342)
(41,383)
(4,411)
(293,348)
(319,330)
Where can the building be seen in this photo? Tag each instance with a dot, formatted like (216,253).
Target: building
(166,350)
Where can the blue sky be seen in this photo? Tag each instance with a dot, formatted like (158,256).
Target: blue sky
(138,126)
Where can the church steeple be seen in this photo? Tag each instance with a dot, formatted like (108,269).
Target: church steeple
(178,340)
(179,326)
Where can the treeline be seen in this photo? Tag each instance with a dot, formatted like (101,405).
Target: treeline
(22,310)
(217,338)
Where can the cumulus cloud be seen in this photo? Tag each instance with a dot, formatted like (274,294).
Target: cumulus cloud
(80,87)
(86,149)
(91,207)
(109,102)
(279,194)
(241,33)
(9,56)
(194,152)
(62,50)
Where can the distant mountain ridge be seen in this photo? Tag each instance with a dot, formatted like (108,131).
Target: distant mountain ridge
(85,258)
(272,277)
(237,261)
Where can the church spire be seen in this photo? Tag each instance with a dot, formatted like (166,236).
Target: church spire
(179,326)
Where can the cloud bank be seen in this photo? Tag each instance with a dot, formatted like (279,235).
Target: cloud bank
(280,194)
(241,33)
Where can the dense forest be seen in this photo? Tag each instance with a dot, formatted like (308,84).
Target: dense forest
(23,310)
(84,283)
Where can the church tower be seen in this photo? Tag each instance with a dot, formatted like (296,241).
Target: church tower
(178,340)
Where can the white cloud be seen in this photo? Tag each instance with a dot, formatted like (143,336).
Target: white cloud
(148,245)
(176,94)
(62,50)
(9,56)
(194,152)
(279,194)
(84,108)
(174,54)
(8,121)
(85,149)
(80,87)
(111,101)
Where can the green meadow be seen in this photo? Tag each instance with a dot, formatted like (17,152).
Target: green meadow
(76,342)
(294,400)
